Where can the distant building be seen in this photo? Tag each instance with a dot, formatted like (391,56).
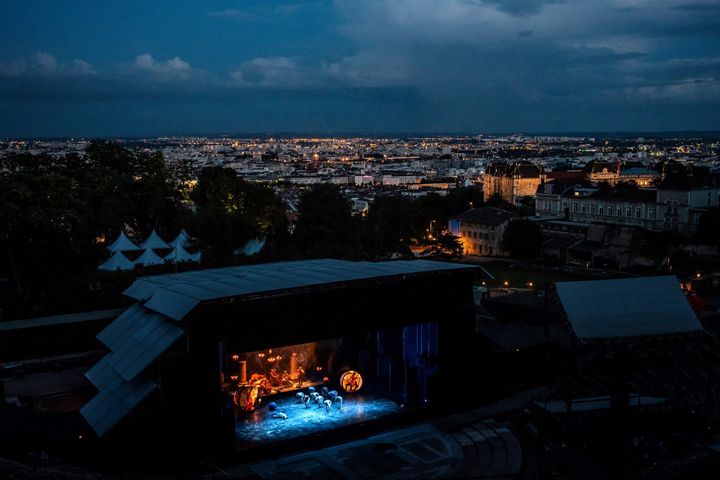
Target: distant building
(512,181)
(603,171)
(481,230)
(638,173)
(656,209)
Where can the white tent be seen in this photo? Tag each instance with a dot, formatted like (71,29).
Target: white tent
(182,240)
(117,261)
(253,246)
(122,244)
(149,258)
(179,254)
(154,241)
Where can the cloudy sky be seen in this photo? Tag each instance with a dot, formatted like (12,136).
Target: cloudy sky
(88,68)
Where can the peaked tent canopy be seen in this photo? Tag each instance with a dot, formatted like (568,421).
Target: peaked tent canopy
(179,254)
(628,307)
(253,246)
(149,258)
(117,261)
(182,240)
(154,241)
(122,244)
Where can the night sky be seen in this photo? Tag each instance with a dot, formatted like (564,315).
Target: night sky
(151,67)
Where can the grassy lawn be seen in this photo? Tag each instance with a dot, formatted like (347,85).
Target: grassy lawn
(516,278)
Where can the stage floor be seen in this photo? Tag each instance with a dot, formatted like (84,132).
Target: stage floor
(261,427)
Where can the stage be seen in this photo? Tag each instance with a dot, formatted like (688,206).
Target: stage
(261,427)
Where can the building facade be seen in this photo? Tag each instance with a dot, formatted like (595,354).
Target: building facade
(655,209)
(512,181)
(481,230)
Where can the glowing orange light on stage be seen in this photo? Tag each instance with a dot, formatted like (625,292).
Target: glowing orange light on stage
(236,357)
(351,381)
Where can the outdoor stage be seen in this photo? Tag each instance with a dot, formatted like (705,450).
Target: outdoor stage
(261,427)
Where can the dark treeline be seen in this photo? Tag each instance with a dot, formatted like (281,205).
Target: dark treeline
(57,213)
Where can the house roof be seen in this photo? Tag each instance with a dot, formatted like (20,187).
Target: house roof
(485,216)
(640,195)
(523,169)
(628,307)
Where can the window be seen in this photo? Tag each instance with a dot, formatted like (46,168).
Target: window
(575,207)
(565,204)
(601,209)
(583,208)
(628,211)
(618,211)
(651,214)
(637,212)
(592,208)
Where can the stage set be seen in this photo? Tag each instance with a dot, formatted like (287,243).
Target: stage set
(285,392)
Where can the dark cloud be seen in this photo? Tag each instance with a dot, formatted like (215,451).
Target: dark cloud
(436,65)
(519,7)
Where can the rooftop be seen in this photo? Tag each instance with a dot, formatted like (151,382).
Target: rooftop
(485,216)
(628,307)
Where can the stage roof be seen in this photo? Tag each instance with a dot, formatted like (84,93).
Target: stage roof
(175,295)
(630,307)
(135,339)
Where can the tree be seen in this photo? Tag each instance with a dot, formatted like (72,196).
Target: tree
(325,226)
(445,245)
(498,202)
(389,227)
(708,231)
(231,211)
(523,238)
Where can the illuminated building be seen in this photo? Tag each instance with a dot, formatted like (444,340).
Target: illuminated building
(218,357)
(512,181)
(481,230)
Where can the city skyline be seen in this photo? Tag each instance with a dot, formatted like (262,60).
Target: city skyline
(358,67)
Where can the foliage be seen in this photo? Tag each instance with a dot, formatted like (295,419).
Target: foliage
(523,238)
(708,231)
(57,209)
(231,211)
(325,227)
(389,227)
(498,202)
(445,245)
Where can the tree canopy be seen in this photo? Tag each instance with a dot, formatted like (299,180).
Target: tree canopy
(523,238)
